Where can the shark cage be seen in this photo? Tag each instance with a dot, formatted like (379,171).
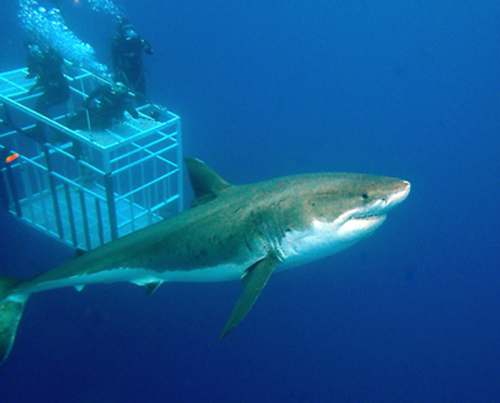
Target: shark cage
(121,179)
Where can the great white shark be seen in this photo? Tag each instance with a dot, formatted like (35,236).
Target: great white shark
(232,232)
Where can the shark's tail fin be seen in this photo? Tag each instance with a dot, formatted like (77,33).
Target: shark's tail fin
(11,310)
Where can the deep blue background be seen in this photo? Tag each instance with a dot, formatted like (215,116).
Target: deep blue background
(268,88)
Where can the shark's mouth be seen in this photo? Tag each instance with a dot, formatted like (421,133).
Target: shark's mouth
(368,217)
(359,226)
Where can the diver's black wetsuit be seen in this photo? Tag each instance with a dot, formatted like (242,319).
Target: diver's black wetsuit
(46,66)
(126,52)
(105,106)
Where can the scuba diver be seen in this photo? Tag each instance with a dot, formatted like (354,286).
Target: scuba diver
(46,64)
(126,53)
(104,107)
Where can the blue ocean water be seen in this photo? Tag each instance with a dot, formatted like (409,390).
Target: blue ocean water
(270,88)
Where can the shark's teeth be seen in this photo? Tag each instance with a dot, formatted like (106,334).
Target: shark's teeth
(368,216)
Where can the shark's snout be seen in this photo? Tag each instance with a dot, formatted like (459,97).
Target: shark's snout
(399,195)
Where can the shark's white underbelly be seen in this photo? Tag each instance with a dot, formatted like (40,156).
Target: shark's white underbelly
(141,276)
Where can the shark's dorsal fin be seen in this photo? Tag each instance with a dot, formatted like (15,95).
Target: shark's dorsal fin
(206,183)
(253,282)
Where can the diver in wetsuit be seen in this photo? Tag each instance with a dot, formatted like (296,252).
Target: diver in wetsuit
(126,53)
(46,65)
(105,106)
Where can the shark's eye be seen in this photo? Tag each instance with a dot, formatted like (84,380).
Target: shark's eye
(364,196)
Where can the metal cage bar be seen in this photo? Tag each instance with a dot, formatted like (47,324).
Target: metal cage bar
(122,181)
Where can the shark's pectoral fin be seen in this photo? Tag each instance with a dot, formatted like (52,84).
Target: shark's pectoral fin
(151,287)
(79,252)
(253,282)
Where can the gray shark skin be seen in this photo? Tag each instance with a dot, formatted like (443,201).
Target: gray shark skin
(231,232)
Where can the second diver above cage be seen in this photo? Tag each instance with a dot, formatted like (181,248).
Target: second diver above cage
(126,53)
